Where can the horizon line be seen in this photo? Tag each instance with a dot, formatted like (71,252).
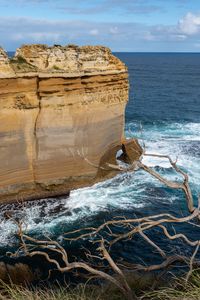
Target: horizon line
(184,52)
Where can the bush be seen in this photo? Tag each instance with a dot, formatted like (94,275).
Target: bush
(18,60)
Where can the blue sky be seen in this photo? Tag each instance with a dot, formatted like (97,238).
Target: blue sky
(122,25)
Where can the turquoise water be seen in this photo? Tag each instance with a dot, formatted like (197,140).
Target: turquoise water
(165,103)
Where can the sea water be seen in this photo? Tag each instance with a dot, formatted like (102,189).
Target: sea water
(164,114)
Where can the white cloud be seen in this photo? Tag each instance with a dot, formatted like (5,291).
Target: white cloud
(180,37)
(190,24)
(94,32)
(114,30)
(119,36)
(36,36)
(148,36)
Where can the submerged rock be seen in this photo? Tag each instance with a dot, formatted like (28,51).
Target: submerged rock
(61,117)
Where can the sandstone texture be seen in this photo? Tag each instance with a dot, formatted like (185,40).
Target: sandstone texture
(5,68)
(61,117)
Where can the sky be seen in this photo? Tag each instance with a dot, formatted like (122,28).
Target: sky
(122,25)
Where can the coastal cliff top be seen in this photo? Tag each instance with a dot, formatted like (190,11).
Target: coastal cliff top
(59,61)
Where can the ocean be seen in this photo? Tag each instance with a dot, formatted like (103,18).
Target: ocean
(164,114)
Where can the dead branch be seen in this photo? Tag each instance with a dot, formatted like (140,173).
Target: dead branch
(33,247)
(184,186)
(136,225)
(192,262)
(116,269)
(162,253)
(139,225)
(105,236)
(54,246)
(166,263)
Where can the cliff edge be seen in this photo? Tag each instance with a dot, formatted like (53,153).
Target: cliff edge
(61,117)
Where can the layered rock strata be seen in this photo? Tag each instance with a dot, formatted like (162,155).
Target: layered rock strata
(61,117)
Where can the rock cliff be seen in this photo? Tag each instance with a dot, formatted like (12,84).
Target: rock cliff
(61,116)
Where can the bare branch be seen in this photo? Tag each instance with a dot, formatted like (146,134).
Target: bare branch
(192,262)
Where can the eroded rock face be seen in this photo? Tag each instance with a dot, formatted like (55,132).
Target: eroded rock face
(5,68)
(61,114)
(70,59)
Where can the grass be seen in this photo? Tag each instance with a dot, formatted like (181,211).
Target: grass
(179,290)
(15,292)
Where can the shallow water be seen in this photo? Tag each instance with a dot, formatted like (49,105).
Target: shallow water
(164,114)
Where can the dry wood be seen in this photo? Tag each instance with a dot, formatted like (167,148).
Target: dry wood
(105,236)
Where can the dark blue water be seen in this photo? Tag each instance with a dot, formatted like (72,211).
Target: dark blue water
(163,86)
(11,54)
(164,113)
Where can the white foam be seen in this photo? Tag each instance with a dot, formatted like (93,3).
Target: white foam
(177,140)
(165,130)
(85,202)
(124,192)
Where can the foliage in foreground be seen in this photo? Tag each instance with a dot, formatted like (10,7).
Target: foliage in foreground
(180,290)
(15,292)
(108,234)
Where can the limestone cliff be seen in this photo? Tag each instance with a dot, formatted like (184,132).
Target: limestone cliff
(5,68)
(61,114)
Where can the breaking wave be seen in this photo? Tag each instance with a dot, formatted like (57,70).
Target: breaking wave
(126,194)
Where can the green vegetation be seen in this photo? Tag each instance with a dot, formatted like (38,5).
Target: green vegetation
(14,292)
(20,64)
(179,290)
(18,60)
(56,68)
